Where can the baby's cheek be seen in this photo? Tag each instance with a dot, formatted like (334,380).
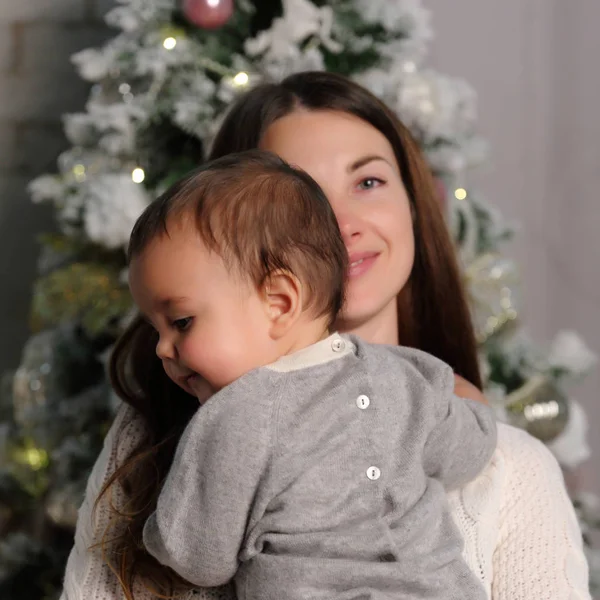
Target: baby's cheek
(196,352)
(219,361)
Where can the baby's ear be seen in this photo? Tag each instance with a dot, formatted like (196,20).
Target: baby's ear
(282,293)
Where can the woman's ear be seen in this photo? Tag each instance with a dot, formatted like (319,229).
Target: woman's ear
(282,293)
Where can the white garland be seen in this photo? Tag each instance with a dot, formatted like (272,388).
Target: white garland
(193,109)
(570,353)
(437,106)
(132,15)
(278,49)
(113,204)
(571,447)
(406,18)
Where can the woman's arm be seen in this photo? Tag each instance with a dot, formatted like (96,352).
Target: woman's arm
(87,576)
(539,553)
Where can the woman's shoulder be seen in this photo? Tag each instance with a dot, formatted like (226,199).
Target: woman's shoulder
(519,463)
(512,439)
(521,454)
(518,456)
(521,474)
(539,551)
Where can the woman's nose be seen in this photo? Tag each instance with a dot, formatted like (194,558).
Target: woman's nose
(350,225)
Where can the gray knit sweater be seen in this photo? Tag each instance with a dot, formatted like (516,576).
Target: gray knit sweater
(322,476)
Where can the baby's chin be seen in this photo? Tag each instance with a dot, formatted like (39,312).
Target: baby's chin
(195,385)
(199,387)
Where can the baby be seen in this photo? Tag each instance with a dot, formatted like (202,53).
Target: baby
(317,468)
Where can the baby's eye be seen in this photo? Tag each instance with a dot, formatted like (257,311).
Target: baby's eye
(369,183)
(182,324)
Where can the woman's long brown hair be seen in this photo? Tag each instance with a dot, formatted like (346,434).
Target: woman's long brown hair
(433,313)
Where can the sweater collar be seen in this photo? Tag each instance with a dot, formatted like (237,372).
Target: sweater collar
(331,348)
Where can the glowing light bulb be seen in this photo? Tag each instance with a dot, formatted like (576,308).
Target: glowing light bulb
(460,193)
(138,175)
(170,43)
(241,78)
(79,172)
(36,458)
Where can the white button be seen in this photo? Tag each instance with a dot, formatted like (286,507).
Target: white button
(363,402)
(338,345)
(373,473)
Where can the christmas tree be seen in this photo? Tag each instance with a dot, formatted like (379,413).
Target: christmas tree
(160,89)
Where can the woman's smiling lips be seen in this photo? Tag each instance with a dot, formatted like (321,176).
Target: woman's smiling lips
(361,262)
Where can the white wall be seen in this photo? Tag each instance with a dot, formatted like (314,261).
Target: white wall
(535,66)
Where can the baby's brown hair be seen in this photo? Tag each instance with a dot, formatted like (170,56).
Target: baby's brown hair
(262,216)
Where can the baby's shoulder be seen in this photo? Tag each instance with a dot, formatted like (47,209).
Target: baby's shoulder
(401,362)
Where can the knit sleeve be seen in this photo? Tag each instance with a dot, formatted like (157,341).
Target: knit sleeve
(463,437)
(87,576)
(201,516)
(539,553)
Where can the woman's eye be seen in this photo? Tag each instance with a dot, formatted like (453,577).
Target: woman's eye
(182,324)
(369,183)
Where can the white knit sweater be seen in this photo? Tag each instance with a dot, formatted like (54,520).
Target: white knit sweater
(521,536)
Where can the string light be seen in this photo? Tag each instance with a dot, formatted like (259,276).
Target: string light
(32,456)
(460,193)
(36,458)
(241,78)
(169,43)
(79,172)
(138,175)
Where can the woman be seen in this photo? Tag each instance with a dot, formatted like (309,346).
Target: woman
(521,535)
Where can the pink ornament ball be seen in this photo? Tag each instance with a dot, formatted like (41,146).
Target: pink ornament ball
(208,14)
